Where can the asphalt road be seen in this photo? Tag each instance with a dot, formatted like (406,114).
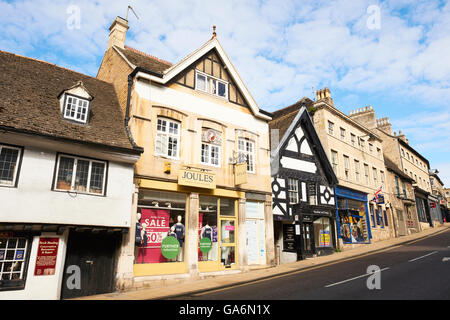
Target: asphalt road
(418,270)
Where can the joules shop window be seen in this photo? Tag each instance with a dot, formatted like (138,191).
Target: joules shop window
(80,175)
(161,227)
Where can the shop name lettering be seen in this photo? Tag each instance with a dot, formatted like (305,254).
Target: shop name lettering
(200,177)
(227,309)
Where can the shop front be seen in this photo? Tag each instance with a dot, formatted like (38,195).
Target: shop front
(353,224)
(314,230)
(183,229)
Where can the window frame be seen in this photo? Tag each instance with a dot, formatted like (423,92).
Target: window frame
(168,135)
(246,152)
(357,172)
(74,119)
(293,190)
(17,168)
(208,77)
(19,284)
(343,133)
(330,128)
(76,158)
(347,167)
(334,164)
(210,146)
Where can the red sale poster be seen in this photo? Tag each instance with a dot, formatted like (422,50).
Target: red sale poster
(156,224)
(46,256)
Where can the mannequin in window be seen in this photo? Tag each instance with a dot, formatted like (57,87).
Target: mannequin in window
(180,232)
(140,236)
(207,232)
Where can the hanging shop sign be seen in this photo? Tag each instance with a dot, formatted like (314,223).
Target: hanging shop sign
(380,199)
(240,173)
(170,247)
(46,256)
(197,178)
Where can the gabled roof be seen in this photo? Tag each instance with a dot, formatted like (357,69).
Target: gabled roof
(30,104)
(299,114)
(162,72)
(391,166)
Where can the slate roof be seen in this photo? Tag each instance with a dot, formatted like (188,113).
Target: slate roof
(390,165)
(30,90)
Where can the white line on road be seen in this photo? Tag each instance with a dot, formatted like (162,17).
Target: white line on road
(423,256)
(445,259)
(362,276)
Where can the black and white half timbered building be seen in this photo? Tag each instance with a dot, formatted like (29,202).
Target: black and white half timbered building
(303,180)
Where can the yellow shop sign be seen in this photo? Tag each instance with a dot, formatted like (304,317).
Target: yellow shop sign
(197,178)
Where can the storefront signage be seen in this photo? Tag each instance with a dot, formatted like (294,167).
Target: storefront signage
(46,256)
(6,234)
(324,213)
(240,173)
(288,237)
(307,218)
(170,247)
(196,178)
(205,245)
(380,199)
(156,224)
(324,238)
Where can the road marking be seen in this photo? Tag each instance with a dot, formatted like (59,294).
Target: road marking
(429,254)
(445,259)
(362,276)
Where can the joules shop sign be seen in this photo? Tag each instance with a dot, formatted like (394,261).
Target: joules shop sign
(197,178)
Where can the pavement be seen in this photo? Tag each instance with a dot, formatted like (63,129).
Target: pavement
(204,284)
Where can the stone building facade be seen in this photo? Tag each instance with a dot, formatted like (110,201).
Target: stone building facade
(205,170)
(356,154)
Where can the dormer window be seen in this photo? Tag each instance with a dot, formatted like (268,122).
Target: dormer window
(211,85)
(75,103)
(76,109)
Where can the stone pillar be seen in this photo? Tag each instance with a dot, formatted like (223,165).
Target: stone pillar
(242,236)
(270,241)
(125,275)
(191,245)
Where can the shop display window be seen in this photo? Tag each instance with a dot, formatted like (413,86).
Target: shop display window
(160,214)
(322,233)
(208,227)
(352,221)
(13,253)
(227,256)
(227,207)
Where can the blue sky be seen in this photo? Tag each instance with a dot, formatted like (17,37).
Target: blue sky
(395,59)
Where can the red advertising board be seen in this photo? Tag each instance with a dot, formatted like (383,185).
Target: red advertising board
(156,224)
(46,256)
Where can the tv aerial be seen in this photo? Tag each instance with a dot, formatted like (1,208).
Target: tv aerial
(128,10)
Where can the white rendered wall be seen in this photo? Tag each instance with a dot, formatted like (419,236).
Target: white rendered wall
(33,200)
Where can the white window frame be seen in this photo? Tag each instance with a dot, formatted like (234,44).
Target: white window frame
(335,161)
(367,173)
(347,167)
(356,163)
(209,159)
(24,259)
(293,190)
(343,133)
(166,135)
(330,128)
(353,139)
(207,89)
(74,173)
(78,108)
(252,163)
(6,183)
(375,176)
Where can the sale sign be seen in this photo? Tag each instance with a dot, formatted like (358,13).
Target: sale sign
(156,224)
(46,256)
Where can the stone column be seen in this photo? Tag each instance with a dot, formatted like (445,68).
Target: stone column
(242,236)
(125,275)
(191,245)
(270,241)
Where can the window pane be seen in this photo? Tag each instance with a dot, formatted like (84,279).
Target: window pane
(213,86)
(215,155)
(161,143)
(205,153)
(208,227)
(65,171)
(201,82)
(222,89)
(172,147)
(227,257)
(227,207)
(227,231)
(97,173)
(82,175)
(8,162)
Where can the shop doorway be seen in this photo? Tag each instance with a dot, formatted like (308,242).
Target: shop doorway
(228,242)
(307,240)
(95,255)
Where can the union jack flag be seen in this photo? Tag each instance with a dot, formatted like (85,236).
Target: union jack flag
(377,194)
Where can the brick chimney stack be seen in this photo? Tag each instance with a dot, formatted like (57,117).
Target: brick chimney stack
(325,95)
(364,116)
(118,31)
(402,136)
(384,125)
